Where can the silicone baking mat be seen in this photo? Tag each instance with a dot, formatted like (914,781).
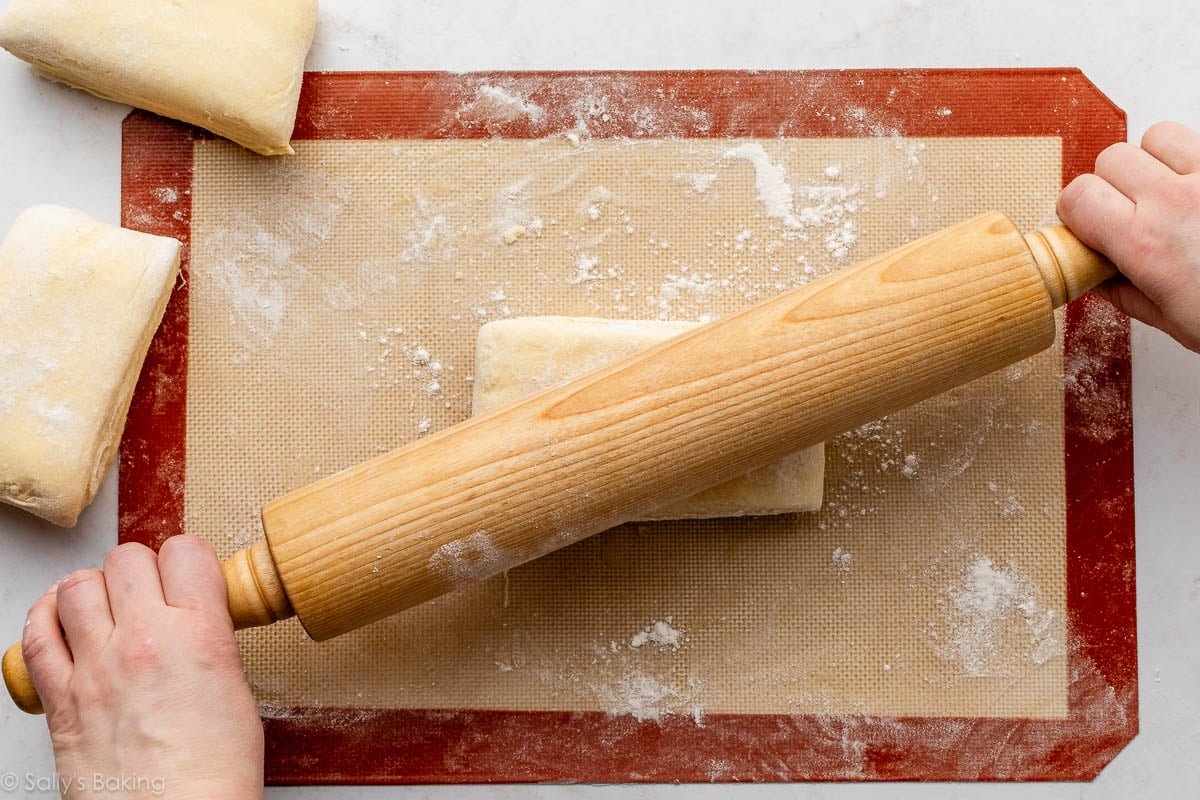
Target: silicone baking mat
(962,607)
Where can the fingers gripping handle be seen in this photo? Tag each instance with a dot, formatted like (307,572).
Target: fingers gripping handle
(255,597)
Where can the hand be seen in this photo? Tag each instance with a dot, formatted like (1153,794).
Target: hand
(1141,208)
(146,685)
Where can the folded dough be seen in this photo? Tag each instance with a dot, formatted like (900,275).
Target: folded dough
(517,357)
(79,303)
(231,66)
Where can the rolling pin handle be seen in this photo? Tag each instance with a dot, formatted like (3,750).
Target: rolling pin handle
(253,587)
(1068,266)
(19,683)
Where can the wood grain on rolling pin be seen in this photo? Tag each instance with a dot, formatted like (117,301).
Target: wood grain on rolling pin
(504,488)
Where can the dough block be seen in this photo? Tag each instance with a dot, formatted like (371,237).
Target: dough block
(231,66)
(517,357)
(79,303)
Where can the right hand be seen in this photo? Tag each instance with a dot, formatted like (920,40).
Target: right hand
(1141,208)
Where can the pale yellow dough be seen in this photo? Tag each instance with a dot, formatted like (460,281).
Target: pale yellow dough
(79,303)
(233,67)
(517,357)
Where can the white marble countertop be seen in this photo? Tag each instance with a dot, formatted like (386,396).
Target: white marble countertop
(62,146)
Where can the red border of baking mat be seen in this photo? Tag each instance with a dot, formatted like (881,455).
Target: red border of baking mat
(323,745)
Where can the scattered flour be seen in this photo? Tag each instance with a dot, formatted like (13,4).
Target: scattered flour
(398,359)
(623,681)
(258,267)
(661,634)
(638,695)
(1006,501)
(841,561)
(625,688)
(866,454)
(826,208)
(1088,371)
(995,622)
(512,216)
(257,299)
(700,182)
(697,289)
(493,104)
(771,181)
(585,266)
(428,226)
(1011,507)
(598,199)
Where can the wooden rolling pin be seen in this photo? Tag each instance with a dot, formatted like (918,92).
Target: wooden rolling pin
(502,489)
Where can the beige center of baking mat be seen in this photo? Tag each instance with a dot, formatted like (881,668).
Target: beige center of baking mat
(334,303)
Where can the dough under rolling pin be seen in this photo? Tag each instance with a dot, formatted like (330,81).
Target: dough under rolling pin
(715,402)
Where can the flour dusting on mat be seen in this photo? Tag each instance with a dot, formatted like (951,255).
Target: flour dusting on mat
(641,696)
(771,181)
(841,561)
(429,225)
(391,358)
(995,621)
(259,268)
(827,207)
(1086,372)
(585,269)
(700,182)
(662,634)
(495,104)
(627,689)
(512,217)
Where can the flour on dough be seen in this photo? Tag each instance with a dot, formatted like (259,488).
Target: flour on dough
(79,303)
(517,357)
(230,66)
